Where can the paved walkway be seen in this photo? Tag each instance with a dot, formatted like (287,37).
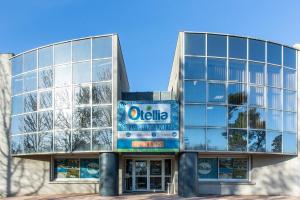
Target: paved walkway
(146,197)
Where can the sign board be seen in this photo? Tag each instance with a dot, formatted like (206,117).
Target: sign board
(148,126)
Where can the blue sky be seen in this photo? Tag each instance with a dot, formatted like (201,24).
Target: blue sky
(148,30)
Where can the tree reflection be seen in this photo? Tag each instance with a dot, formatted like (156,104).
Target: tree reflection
(257,141)
(101,93)
(46,78)
(30,102)
(30,143)
(82,117)
(81,141)
(82,95)
(276,144)
(102,139)
(63,141)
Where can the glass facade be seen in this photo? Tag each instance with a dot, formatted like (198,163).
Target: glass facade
(239,95)
(62,98)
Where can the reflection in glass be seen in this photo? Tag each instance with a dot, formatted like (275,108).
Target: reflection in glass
(45,99)
(102,47)
(194,139)
(63,97)
(81,140)
(155,183)
(216,93)
(212,112)
(30,61)
(63,76)
(256,117)
(233,168)
(194,44)
(274,98)
(256,50)
(237,140)
(45,78)
(62,141)
(256,73)
(216,69)
(155,167)
(194,115)
(30,143)
(30,83)
(289,121)
(274,53)
(194,68)
(45,121)
(17,84)
(81,50)
(207,168)
(30,102)
(82,95)
(237,70)
(102,70)
(101,93)
(81,72)
(274,141)
(257,141)
(289,57)
(17,144)
(102,116)
(289,79)
(216,139)
(216,45)
(237,117)
(289,143)
(17,65)
(30,123)
(66,168)
(274,76)
(45,142)
(237,94)
(289,100)
(17,104)
(256,96)
(102,139)
(62,53)
(82,117)
(63,119)
(274,120)
(16,124)
(194,91)
(237,47)
(46,56)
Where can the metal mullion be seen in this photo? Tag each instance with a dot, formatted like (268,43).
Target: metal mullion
(281,92)
(90,90)
(53,100)
(248,94)
(71,103)
(37,100)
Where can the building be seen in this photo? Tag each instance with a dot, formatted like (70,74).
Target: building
(226,125)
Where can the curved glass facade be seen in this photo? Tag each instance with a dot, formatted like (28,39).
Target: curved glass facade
(239,95)
(62,97)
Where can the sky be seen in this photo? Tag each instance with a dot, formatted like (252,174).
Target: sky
(148,29)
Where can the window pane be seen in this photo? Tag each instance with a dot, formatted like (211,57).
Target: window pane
(45,99)
(237,117)
(17,145)
(102,116)
(274,76)
(63,75)
(82,117)
(237,70)
(81,72)
(102,70)
(46,56)
(102,47)
(17,65)
(81,140)
(194,139)
(30,61)
(30,143)
(30,123)
(212,112)
(274,120)
(102,139)
(30,83)
(194,44)
(216,139)
(240,168)
(66,168)
(289,100)
(289,79)
(274,53)
(256,50)
(89,168)
(194,68)
(237,94)
(194,115)
(274,141)
(207,168)
(237,47)
(46,78)
(63,97)
(274,98)
(63,119)
(17,105)
(30,102)
(237,140)
(225,168)
(257,141)
(289,143)
(62,53)
(16,124)
(82,95)
(216,45)
(256,96)
(81,50)
(257,119)
(45,142)
(289,57)
(216,93)
(216,69)
(45,121)
(62,141)
(17,84)
(194,91)
(101,93)
(256,73)
(289,121)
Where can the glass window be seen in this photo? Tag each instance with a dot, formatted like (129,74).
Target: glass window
(256,50)
(89,168)
(30,102)
(16,124)
(256,73)
(63,119)
(81,140)
(274,53)
(216,139)
(216,69)
(216,45)
(81,50)
(30,61)
(82,117)
(30,122)
(274,98)
(17,105)
(102,47)
(45,142)
(194,139)
(274,141)
(216,93)
(237,70)
(66,168)
(102,70)
(194,68)
(45,121)
(46,78)
(102,139)
(257,119)
(62,53)
(233,168)
(237,94)
(289,57)
(17,65)
(289,100)
(256,96)
(194,44)
(63,97)
(17,84)
(207,168)
(257,141)
(194,91)
(46,56)
(237,117)
(82,95)
(237,47)
(63,75)
(237,140)
(289,121)
(30,143)
(101,93)
(289,79)
(102,116)
(30,82)
(81,72)
(274,120)
(212,112)
(194,115)
(45,99)
(274,77)
(62,142)
(289,143)
(17,144)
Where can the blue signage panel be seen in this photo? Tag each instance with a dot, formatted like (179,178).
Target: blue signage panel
(148,126)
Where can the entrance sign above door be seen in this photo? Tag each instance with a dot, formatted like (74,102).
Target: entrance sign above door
(148,126)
